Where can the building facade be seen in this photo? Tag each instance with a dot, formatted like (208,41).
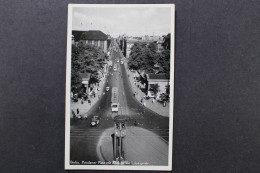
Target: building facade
(162,80)
(96,38)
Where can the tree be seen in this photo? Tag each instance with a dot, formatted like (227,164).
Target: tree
(156,88)
(164,97)
(86,58)
(145,57)
(76,81)
(167,89)
(167,42)
(163,62)
(142,57)
(91,59)
(152,47)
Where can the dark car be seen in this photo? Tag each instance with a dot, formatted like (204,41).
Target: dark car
(94,121)
(85,96)
(74,99)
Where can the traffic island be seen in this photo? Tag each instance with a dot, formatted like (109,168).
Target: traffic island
(141,147)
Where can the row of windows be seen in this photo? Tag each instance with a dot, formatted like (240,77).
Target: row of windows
(96,43)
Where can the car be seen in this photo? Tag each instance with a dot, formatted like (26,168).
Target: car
(85,116)
(94,121)
(150,94)
(117,60)
(107,88)
(85,96)
(74,99)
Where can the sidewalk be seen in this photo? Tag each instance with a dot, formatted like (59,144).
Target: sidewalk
(156,106)
(85,107)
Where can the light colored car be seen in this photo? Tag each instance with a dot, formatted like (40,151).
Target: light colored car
(107,88)
(95,120)
(150,94)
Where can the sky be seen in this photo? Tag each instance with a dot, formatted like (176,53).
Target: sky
(132,21)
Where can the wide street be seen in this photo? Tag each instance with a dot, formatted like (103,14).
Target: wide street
(84,138)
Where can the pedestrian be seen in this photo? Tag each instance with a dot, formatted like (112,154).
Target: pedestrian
(94,95)
(144,104)
(89,102)
(141,100)
(77,110)
(82,100)
(73,113)
(135,123)
(153,100)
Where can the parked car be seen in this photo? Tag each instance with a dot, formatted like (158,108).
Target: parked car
(107,88)
(163,97)
(94,120)
(85,96)
(74,99)
(150,94)
(85,116)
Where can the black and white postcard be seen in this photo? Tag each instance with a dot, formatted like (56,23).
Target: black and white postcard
(119,86)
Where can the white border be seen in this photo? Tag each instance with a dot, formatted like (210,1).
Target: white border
(67,101)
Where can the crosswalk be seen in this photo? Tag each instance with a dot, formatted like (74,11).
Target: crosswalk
(131,132)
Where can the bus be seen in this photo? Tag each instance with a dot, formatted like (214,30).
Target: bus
(114,100)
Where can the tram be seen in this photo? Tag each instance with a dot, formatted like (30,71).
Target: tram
(114,100)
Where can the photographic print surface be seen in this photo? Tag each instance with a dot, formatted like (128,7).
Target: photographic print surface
(119,87)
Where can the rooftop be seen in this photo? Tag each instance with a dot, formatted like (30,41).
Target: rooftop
(158,76)
(85,75)
(139,41)
(93,35)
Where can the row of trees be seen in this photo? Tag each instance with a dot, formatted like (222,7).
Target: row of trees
(86,58)
(146,57)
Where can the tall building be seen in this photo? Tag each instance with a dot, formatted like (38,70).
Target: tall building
(95,37)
